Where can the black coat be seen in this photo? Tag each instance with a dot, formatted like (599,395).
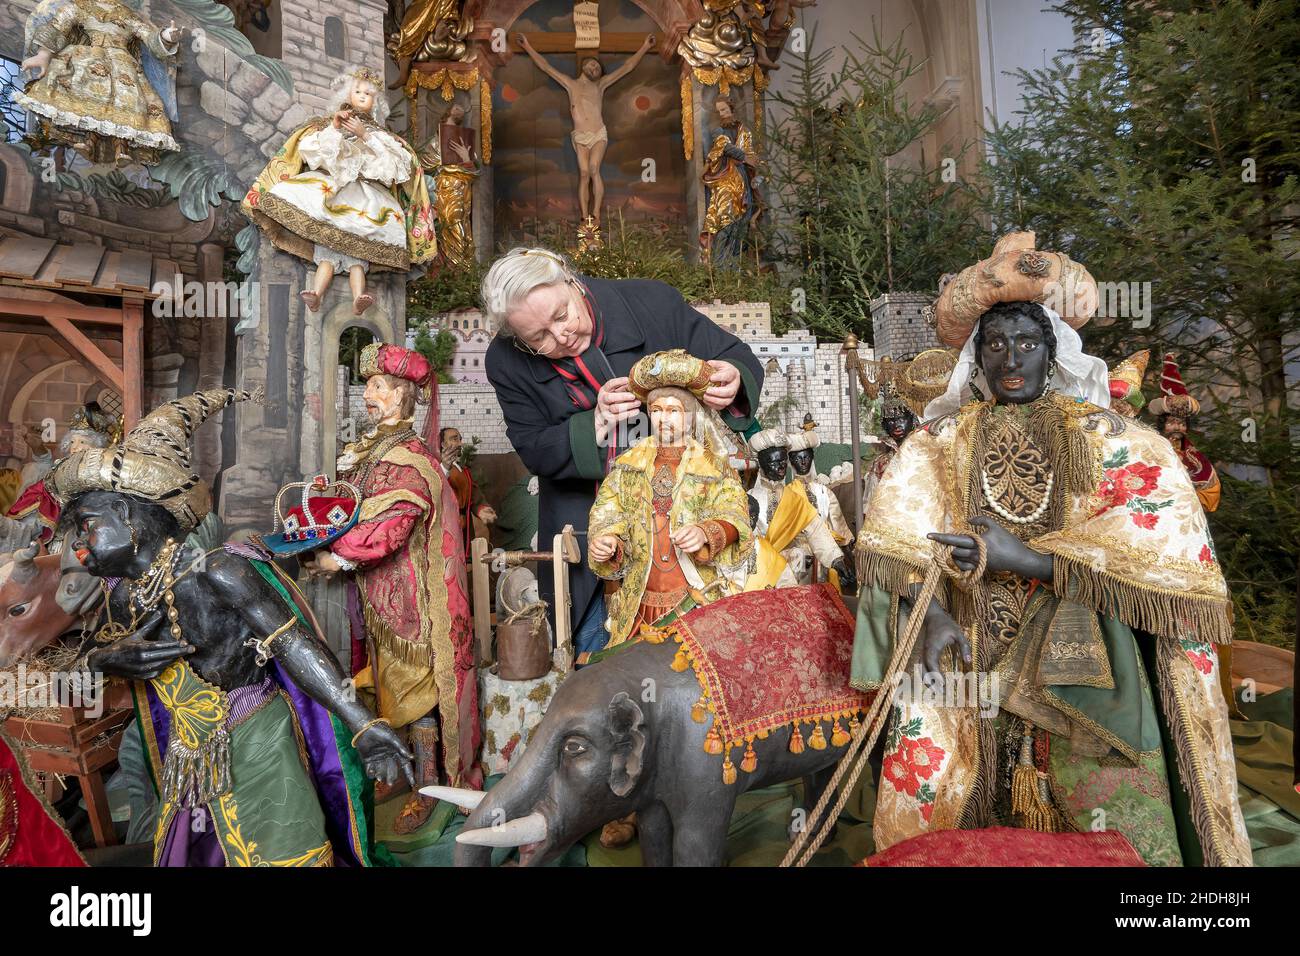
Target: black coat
(556,439)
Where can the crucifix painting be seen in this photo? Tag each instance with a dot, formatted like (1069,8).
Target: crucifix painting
(590,137)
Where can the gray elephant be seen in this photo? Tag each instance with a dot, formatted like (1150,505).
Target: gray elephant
(619,737)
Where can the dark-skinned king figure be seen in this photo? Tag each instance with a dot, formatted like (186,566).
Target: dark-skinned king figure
(801,451)
(258,747)
(788,531)
(1081,593)
(410,608)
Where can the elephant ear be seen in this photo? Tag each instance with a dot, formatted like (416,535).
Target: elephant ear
(626,723)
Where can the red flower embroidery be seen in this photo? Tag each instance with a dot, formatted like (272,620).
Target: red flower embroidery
(1132,481)
(927,811)
(923,756)
(252,197)
(1145,520)
(1206,556)
(899,772)
(1201,661)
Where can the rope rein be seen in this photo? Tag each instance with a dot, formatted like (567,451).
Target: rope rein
(855,759)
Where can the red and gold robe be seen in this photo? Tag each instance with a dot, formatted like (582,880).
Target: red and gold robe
(411,578)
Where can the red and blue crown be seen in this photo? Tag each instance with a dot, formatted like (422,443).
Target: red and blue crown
(325,511)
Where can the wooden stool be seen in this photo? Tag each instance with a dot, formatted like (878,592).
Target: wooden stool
(73,743)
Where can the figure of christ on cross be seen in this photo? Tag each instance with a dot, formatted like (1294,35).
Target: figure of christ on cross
(586,105)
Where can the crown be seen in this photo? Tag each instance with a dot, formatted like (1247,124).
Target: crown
(323,511)
(368,75)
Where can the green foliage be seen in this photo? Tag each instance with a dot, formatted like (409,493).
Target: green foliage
(1167,150)
(438,349)
(863,210)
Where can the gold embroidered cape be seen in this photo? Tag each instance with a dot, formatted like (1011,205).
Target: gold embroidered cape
(707,488)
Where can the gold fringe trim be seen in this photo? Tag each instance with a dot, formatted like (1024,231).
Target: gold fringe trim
(715,744)
(1160,611)
(290,217)
(408,652)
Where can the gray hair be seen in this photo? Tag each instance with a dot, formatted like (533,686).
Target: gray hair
(514,276)
(343,84)
(94,439)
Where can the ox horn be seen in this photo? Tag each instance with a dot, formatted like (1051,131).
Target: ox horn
(517,832)
(457,795)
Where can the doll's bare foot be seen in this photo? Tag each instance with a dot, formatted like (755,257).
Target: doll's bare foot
(362,302)
(618,833)
(311,299)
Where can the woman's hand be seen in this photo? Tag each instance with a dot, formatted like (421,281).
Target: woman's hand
(614,404)
(724,384)
(690,539)
(603,548)
(37,63)
(355,127)
(341,117)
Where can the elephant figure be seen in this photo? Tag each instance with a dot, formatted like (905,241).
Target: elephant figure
(619,737)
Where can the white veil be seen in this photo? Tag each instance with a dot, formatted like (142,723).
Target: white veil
(1078,374)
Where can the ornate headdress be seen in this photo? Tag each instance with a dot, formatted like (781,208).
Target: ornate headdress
(153,461)
(1126,384)
(671,369)
(1015,272)
(892,404)
(324,511)
(1174,398)
(368,75)
(379,358)
(769,438)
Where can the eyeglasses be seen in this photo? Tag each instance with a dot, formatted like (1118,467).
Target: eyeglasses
(547,343)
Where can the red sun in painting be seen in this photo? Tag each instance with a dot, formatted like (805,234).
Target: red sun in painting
(509,93)
(642,102)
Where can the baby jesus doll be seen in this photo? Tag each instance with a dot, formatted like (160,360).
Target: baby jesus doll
(671,521)
(346,194)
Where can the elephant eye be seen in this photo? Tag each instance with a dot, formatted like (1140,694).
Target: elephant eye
(574,747)
(18,610)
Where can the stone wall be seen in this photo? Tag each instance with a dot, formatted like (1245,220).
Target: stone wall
(900,327)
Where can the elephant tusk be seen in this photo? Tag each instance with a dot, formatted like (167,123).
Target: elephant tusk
(457,795)
(518,832)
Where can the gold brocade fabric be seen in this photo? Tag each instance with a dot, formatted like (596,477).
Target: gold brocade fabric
(1129,544)
(706,488)
(94,93)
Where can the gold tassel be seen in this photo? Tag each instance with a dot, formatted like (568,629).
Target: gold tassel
(854,724)
(652,635)
(796,741)
(680,663)
(750,761)
(1028,805)
(838,737)
(699,712)
(728,770)
(712,743)
(818,740)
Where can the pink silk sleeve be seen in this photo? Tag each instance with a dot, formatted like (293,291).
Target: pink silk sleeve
(373,540)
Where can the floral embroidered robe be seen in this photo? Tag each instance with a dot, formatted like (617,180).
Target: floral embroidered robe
(412,591)
(1090,666)
(706,489)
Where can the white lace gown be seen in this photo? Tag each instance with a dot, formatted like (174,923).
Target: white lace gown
(344,199)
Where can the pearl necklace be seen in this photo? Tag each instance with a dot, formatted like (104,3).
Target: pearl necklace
(1017,519)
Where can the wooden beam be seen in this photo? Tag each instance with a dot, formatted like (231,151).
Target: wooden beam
(89,351)
(23,258)
(132,363)
(72,310)
(564,42)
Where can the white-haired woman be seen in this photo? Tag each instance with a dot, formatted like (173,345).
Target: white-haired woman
(346,193)
(559,364)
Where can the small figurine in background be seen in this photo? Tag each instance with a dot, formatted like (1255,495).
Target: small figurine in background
(788,531)
(897,421)
(452,158)
(469,496)
(347,194)
(730,166)
(101,85)
(803,444)
(1126,384)
(1172,410)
